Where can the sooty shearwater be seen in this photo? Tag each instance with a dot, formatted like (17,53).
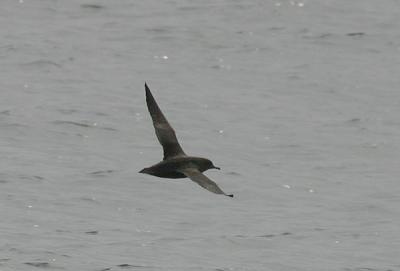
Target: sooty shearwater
(176,164)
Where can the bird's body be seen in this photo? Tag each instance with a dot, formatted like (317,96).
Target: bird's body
(176,164)
(171,168)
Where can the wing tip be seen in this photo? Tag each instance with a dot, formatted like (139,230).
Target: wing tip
(148,92)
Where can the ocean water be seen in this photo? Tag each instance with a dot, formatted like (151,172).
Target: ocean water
(297,101)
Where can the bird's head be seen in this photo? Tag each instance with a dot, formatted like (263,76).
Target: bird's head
(210,165)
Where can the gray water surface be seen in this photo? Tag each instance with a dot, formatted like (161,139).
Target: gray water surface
(297,102)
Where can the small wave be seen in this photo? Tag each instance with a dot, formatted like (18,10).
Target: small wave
(41,63)
(32,178)
(233,173)
(125,266)
(5,112)
(102,172)
(92,6)
(82,124)
(92,232)
(355,34)
(39,264)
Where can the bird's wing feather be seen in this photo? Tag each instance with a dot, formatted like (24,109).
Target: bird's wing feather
(202,180)
(165,133)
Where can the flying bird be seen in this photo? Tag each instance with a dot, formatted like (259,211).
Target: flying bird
(176,164)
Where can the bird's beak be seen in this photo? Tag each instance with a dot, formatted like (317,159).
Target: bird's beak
(217,168)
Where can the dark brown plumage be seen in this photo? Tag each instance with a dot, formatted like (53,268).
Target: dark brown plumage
(176,164)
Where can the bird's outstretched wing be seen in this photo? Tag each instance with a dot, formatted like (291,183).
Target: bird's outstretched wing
(165,133)
(203,181)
